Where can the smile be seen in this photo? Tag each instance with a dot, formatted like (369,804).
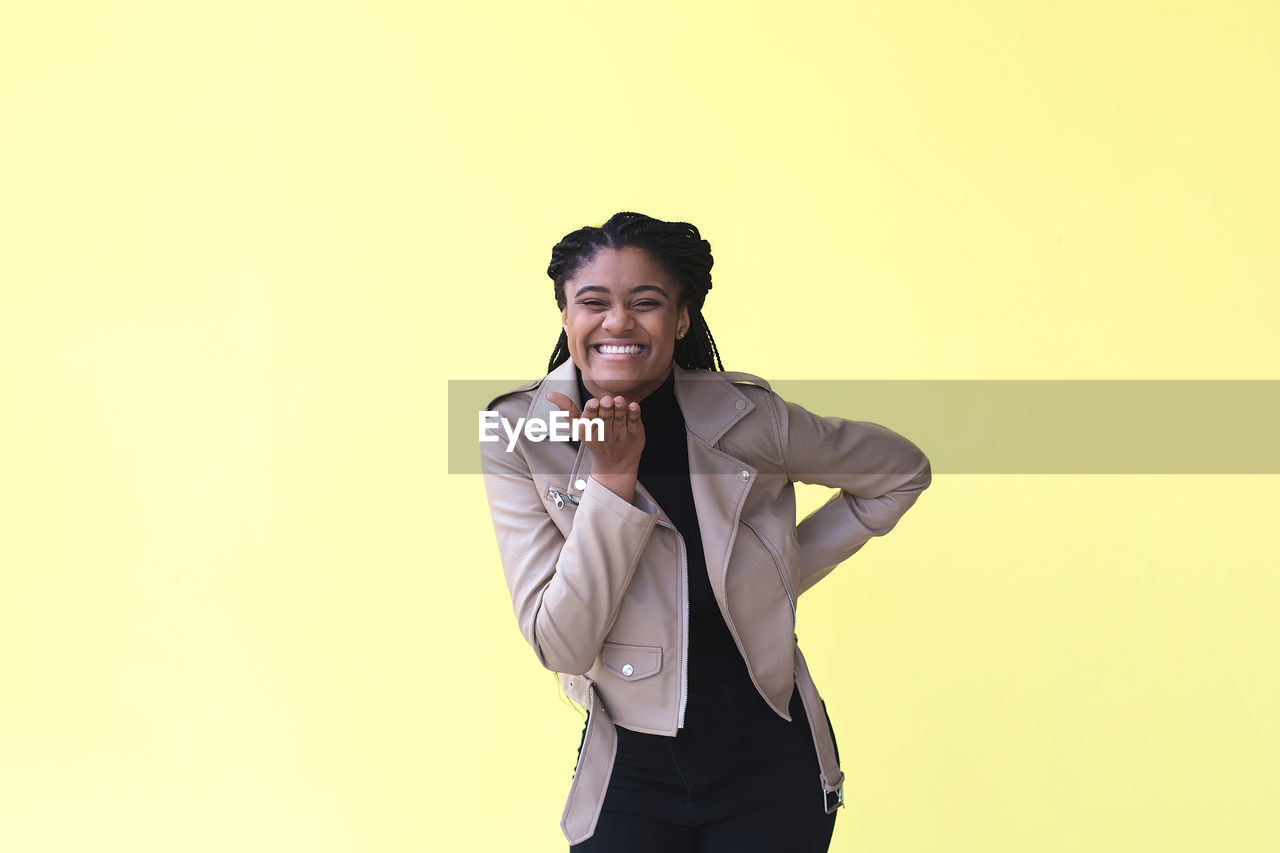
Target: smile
(610,349)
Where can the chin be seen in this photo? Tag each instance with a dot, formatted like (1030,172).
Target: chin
(615,382)
(619,381)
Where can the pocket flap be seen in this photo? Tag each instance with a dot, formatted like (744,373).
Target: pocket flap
(631,662)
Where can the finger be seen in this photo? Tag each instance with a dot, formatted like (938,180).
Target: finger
(605,413)
(609,411)
(560,401)
(591,413)
(620,416)
(635,426)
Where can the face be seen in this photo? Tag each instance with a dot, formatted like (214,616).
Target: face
(622,319)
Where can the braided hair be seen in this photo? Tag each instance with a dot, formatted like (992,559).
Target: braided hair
(676,246)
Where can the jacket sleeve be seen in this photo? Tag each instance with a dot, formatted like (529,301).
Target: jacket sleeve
(879,473)
(565,590)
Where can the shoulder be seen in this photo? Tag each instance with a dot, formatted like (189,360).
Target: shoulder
(510,406)
(716,387)
(753,387)
(735,379)
(734,385)
(741,379)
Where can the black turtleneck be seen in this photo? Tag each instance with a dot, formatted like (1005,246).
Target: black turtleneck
(664,472)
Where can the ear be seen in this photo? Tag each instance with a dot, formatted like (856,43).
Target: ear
(564,318)
(682,321)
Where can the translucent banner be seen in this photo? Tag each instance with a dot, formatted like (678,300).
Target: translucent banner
(1012,426)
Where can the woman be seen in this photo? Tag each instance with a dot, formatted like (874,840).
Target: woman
(656,562)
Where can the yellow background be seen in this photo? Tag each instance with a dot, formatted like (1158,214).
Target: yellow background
(244,245)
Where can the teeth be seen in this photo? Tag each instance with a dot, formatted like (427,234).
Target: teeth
(633,349)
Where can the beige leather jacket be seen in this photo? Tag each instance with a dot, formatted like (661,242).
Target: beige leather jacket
(600,585)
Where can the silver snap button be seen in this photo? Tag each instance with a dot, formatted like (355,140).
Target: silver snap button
(740,405)
(745,475)
(571,683)
(580,484)
(627,669)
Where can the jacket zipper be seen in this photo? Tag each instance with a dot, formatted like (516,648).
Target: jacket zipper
(560,497)
(778,567)
(684,658)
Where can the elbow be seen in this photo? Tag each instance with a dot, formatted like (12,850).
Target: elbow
(563,660)
(924,477)
(559,653)
(561,640)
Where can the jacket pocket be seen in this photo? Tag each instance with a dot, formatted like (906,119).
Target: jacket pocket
(631,663)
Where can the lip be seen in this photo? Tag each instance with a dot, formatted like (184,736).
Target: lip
(618,356)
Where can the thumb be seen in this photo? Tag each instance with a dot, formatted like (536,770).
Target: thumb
(562,402)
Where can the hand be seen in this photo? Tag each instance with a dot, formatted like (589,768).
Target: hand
(615,456)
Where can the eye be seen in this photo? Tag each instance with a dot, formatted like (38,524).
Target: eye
(648,303)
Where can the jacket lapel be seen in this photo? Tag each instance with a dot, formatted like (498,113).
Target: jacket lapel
(711,405)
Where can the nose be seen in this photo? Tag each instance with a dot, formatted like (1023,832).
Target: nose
(618,319)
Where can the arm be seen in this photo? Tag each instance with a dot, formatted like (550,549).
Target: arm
(879,473)
(565,590)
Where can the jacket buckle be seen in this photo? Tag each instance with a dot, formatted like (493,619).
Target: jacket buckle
(832,800)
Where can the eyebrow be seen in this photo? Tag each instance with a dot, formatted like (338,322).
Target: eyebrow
(598,288)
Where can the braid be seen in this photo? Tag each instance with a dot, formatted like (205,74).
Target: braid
(560,353)
(697,350)
(711,345)
(677,246)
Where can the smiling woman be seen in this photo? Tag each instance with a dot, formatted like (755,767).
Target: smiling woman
(655,565)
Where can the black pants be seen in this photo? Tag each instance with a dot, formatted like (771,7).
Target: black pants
(736,779)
